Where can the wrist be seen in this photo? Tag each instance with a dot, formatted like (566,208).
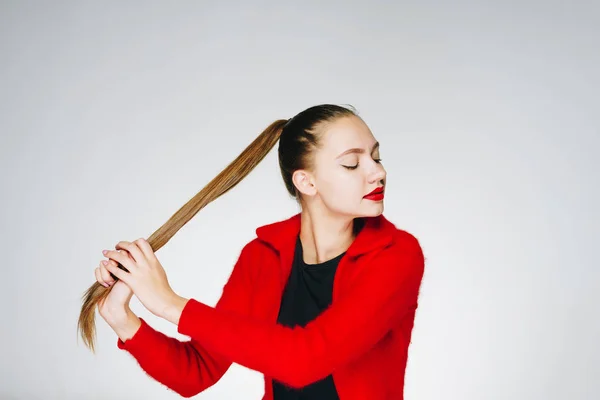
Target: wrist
(118,316)
(172,309)
(126,325)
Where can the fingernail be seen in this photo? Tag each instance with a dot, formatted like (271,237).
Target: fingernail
(104,262)
(104,251)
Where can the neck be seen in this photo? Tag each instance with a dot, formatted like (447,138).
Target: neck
(323,235)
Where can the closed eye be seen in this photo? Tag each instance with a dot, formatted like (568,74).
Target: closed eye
(377,160)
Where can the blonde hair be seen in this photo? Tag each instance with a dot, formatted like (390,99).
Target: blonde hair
(295,147)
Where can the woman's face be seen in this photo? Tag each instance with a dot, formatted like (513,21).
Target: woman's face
(346,168)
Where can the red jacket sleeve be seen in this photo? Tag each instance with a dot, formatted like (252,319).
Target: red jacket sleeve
(187,367)
(384,292)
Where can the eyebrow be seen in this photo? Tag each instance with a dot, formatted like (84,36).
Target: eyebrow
(357,150)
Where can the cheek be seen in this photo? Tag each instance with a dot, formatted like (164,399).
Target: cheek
(341,187)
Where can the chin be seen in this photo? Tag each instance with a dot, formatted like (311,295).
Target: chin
(376,213)
(374,210)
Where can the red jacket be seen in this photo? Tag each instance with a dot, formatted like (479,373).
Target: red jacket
(362,338)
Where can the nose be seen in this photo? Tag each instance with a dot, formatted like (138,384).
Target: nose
(378,175)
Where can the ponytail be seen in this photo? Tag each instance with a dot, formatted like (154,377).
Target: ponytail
(221,184)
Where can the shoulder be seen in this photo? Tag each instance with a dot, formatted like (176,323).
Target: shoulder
(253,248)
(405,241)
(405,252)
(400,240)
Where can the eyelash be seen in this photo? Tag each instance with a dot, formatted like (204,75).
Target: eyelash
(378,160)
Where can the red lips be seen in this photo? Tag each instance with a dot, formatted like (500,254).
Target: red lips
(376,194)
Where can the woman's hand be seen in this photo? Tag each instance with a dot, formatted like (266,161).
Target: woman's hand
(146,277)
(116,304)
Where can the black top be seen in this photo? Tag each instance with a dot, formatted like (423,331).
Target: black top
(307,293)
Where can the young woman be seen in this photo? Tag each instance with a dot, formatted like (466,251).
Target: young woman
(322,303)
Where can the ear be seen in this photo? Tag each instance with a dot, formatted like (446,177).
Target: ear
(303,181)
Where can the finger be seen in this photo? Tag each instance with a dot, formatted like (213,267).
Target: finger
(145,247)
(119,273)
(104,272)
(99,277)
(132,248)
(120,257)
(126,253)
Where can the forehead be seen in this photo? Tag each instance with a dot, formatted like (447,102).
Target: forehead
(345,133)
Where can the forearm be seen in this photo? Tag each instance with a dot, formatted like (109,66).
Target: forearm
(125,323)
(184,367)
(173,309)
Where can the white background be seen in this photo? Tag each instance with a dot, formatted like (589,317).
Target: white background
(113,115)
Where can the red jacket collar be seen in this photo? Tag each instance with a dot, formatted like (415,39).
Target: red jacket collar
(377,232)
